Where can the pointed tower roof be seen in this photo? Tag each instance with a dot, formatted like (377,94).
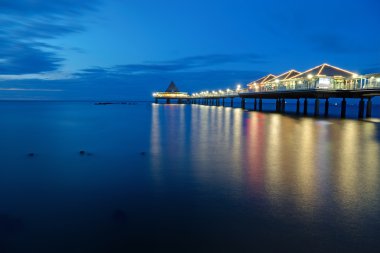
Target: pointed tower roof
(287,75)
(325,70)
(172,88)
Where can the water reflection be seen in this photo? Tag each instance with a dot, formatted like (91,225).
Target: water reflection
(301,166)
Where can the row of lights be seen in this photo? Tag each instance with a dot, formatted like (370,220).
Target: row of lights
(238,88)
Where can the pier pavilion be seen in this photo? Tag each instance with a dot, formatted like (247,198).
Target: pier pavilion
(321,82)
(171,93)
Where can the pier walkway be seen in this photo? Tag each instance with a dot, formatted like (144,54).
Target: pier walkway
(319,83)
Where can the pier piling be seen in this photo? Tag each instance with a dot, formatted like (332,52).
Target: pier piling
(327,104)
(305,107)
(316,107)
(369,108)
(361,109)
(243,103)
(260,105)
(343,108)
(283,105)
(298,106)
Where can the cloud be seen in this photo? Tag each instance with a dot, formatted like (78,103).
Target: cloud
(38,7)
(338,44)
(26,89)
(182,64)
(25,26)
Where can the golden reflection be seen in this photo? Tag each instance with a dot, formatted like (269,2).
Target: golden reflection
(155,141)
(300,162)
(357,167)
(306,174)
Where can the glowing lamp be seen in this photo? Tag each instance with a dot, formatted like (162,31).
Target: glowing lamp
(309,76)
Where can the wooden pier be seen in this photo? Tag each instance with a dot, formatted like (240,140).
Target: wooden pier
(320,83)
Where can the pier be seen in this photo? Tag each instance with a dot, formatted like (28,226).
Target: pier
(317,84)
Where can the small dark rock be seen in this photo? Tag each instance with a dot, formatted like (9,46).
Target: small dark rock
(31,154)
(82,152)
(142,153)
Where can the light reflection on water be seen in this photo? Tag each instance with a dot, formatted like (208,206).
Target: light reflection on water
(188,179)
(302,171)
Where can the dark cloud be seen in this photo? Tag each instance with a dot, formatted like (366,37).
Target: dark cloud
(26,23)
(182,64)
(336,44)
(100,85)
(43,7)
(25,58)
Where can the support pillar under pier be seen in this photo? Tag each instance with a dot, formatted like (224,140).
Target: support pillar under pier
(305,107)
(369,108)
(255,105)
(232,102)
(168,101)
(278,105)
(243,103)
(298,106)
(223,102)
(361,109)
(327,104)
(343,108)
(156,101)
(316,107)
(283,105)
(260,105)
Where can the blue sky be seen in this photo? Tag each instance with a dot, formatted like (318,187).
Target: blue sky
(114,49)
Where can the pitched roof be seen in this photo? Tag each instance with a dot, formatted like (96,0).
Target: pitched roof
(263,79)
(289,74)
(172,88)
(325,70)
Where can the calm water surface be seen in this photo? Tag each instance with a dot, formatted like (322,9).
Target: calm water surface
(178,178)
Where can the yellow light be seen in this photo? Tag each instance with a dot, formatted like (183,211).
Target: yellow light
(255,84)
(277,81)
(355,75)
(238,87)
(309,76)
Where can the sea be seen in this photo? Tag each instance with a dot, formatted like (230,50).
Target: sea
(78,177)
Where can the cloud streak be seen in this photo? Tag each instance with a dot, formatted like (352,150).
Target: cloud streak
(26,24)
(182,64)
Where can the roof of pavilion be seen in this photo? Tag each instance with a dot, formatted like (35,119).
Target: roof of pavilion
(264,79)
(172,88)
(325,70)
(287,75)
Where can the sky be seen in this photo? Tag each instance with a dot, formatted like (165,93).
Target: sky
(127,49)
